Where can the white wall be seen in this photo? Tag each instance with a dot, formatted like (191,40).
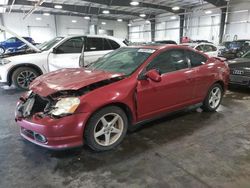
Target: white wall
(167,27)
(238,24)
(140,31)
(51,26)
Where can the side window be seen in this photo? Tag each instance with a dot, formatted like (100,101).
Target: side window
(169,61)
(110,45)
(94,44)
(209,48)
(114,44)
(199,48)
(73,45)
(213,48)
(196,59)
(12,39)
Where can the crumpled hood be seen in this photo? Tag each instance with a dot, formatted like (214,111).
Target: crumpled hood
(68,79)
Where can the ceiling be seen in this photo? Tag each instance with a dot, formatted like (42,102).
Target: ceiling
(117,8)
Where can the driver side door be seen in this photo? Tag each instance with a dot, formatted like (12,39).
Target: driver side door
(175,89)
(66,55)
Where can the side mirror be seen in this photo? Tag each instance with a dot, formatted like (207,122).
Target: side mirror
(153,75)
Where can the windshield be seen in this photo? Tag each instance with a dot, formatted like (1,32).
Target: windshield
(247,55)
(123,60)
(49,44)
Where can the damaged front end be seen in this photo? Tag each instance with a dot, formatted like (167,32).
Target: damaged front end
(34,104)
(58,104)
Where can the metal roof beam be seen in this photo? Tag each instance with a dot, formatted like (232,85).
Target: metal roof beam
(217,3)
(78,9)
(127,3)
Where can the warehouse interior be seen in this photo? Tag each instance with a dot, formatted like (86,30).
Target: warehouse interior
(187,147)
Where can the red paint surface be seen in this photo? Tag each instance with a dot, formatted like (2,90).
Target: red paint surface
(145,99)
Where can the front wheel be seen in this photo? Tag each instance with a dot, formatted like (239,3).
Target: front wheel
(23,76)
(106,128)
(213,99)
(2,50)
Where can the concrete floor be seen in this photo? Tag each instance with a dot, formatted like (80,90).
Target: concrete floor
(190,149)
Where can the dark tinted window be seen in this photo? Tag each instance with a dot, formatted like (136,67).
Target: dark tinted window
(196,59)
(169,61)
(73,45)
(110,45)
(94,44)
(199,48)
(209,48)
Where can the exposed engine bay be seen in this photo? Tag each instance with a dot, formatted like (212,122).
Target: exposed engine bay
(33,104)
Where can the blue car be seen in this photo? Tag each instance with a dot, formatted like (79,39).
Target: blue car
(13,43)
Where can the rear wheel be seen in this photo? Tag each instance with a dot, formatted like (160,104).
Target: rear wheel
(106,128)
(213,99)
(23,76)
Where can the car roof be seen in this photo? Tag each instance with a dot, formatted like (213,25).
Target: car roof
(97,36)
(160,47)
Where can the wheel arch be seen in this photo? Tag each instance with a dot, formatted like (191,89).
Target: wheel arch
(222,84)
(11,71)
(127,110)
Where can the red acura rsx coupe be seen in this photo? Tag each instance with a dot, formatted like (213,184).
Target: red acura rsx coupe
(96,105)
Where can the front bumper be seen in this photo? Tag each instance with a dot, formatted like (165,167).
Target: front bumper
(3,74)
(65,132)
(239,80)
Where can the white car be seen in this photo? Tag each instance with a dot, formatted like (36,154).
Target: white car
(60,52)
(207,48)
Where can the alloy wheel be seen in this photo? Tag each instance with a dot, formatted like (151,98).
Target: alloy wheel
(108,129)
(25,78)
(215,97)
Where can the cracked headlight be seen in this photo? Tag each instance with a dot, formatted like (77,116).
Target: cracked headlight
(4,61)
(66,106)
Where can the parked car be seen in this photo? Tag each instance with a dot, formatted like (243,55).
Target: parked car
(21,70)
(13,43)
(234,49)
(206,48)
(165,42)
(240,70)
(95,106)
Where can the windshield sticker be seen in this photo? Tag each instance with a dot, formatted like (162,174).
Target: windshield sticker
(150,51)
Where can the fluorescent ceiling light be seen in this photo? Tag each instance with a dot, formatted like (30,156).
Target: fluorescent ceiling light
(105,12)
(147,22)
(142,15)
(134,3)
(208,12)
(176,8)
(129,24)
(103,23)
(73,21)
(119,20)
(38,18)
(46,14)
(58,6)
(86,17)
(2,10)
(173,17)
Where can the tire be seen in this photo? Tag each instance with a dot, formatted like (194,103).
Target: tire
(96,134)
(212,100)
(2,50)
(23,76)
